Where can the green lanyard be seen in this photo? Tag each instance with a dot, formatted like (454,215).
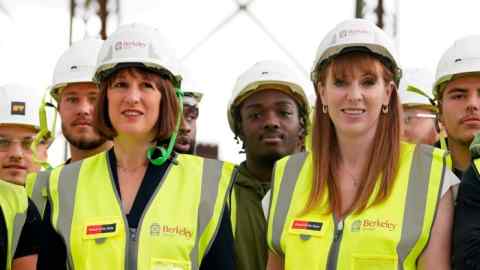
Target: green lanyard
(165,153)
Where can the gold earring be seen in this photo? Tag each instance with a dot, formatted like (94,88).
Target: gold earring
(325,109)
(385,109)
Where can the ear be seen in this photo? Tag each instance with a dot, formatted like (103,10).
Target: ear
(239,130)
(320,89)
(440,112)
(389,89)
(302,129)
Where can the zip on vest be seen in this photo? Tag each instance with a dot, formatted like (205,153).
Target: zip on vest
(132,248)
(335,246)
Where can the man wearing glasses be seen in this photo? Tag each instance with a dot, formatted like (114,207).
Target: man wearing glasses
(19,124)
(420,113)
(188,130)
(19,219)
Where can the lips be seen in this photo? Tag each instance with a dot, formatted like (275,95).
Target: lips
(353,111)
(183,140)
(132,113)
(270,138)
(470,120)
(14,167)
(82,122)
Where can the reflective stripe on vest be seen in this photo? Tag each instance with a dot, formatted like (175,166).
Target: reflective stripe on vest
(423,188)
(14,204)
(293,167)
(183,214)
(476,165)
(232,202)
(36,185)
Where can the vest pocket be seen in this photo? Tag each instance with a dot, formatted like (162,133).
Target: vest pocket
(374,262)
(168,264)
(99,245)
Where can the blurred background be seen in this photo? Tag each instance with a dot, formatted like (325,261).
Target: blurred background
(216,40)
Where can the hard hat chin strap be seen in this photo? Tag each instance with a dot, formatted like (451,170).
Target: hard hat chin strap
(415,90)
(44,133)
(166,153)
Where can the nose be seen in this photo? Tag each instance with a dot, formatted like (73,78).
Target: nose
(473,103)
(354,93)
(15,152)
(271,121)
(185,127)
(85,106)
(133,95)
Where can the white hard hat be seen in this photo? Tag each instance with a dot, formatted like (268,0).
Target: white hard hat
(192,98)
(190,88)
(352,34)
(418,80)
(462,57)
(19,105)
(265,72)
(136,44)
(76,65)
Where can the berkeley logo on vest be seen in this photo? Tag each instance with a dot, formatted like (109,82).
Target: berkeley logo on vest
(372,225)
(157,229)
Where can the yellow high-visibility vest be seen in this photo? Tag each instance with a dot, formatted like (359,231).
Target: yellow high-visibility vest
(176,230)
(14,204)
(389,235)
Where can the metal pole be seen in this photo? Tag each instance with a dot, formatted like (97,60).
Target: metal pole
(359,5)
(380,12)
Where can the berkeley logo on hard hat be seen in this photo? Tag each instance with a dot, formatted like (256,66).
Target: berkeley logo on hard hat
(17,108)
(353,32)
(124,45)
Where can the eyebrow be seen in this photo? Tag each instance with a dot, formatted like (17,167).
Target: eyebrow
(24,138)
(279,103)
(457,89)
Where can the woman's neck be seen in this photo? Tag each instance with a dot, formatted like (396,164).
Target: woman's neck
(354,151)
(131,152)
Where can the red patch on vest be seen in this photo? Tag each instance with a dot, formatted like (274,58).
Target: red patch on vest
(307,225)
(101,228)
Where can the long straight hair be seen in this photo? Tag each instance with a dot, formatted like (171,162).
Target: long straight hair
(383,161)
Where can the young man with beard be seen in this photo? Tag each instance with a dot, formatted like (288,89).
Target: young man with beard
(456,89)
(76,95)
(268,112)
(186,141)
(460,109)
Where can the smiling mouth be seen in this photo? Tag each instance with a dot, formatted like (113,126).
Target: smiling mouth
(353,111)
(132,113)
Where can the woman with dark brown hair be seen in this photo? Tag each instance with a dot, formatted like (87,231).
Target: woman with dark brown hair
(140,205)
(362,199)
